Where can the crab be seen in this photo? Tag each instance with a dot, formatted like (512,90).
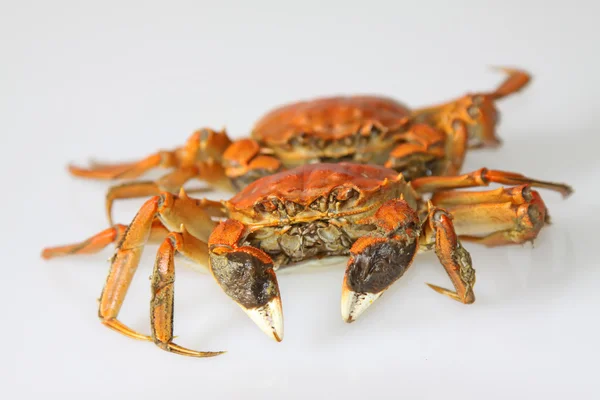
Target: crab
(361,129)
(367,212)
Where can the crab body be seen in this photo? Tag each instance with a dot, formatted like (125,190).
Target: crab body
(364,129)
(314,211)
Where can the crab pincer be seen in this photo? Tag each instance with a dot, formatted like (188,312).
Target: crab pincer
(377,262)
(246,275)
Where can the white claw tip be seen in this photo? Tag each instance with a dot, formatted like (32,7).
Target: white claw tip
(269,318)
(354,304)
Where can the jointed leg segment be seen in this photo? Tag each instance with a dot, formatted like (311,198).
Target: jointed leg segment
(163,291)
(210,171)
(494,217)
(455,258)
(497,217)
(200,157)
(483,177)
(180,214)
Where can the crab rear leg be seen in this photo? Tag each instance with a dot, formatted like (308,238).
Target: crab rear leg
(129,170)
(206,141)
(483,177)
(504,216)
(102,239)
(515,81)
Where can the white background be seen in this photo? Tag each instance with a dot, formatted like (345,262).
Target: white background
(119,80)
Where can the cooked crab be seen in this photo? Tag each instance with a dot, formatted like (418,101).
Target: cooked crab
(361,129)
(367,212)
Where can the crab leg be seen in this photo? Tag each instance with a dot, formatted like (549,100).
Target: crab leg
(454,258)
(207,142)
(210,171)
(483,177)
(495,217)
(128,170)
(515,81)
(102,239)
(174,212)
(163,290)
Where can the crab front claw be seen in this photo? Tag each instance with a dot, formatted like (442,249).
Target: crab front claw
(246,275)
(375,264)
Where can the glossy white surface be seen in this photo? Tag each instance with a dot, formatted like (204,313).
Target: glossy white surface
(116,82)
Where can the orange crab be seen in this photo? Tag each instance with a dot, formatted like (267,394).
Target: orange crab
(361,129)
(368,212)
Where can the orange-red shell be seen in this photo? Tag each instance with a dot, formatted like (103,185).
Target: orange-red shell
(329,117)
(304,184)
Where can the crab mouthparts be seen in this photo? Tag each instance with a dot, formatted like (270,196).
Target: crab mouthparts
(269,318)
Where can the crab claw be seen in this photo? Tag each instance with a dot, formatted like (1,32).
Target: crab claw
(375,264)
(355,303)
(269,318)
(246,275)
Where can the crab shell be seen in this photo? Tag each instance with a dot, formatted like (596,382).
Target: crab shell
(332,128)
(318,191)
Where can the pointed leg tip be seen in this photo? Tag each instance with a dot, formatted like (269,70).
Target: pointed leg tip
(469,298)
(118,326)
(567,192)
(46,254)
(182,351)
